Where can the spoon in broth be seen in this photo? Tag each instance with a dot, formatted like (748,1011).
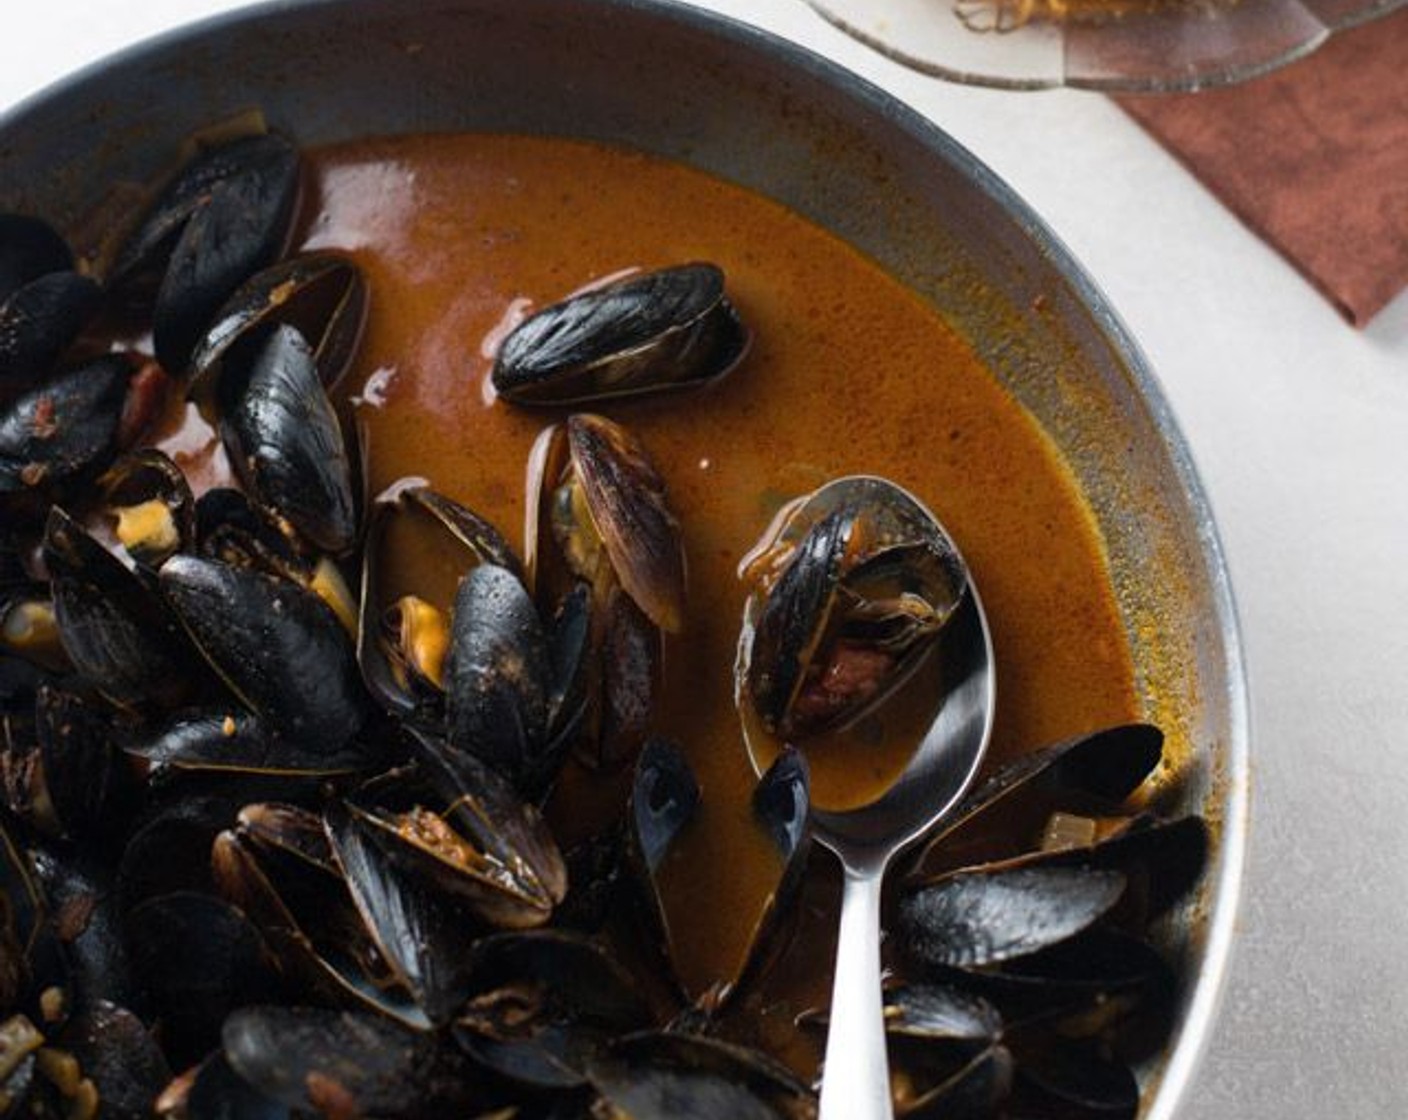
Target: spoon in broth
(865,645)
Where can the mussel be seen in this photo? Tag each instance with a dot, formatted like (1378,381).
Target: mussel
(599,519)
(853,592)
(44,302)
(655,331)
(64,427)
(225,215)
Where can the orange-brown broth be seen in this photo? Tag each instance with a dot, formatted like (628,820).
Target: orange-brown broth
(849,372)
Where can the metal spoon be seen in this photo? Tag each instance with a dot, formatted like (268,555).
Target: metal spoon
(856,1082)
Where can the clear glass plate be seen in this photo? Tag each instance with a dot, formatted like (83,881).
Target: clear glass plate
(1131,45)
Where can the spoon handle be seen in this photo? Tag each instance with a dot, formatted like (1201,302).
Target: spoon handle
(855,1082)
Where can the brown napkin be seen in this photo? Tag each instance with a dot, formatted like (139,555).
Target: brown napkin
(1313,157)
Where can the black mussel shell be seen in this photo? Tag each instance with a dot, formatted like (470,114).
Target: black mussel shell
(217,1092)
(65,426)
(279,866)
(421,933)
(673,1076)
(81,890)
(39,321)
(79,785)
(32,960)
(117,629)
(449,540)
(117,1053)
(225,216)
(781,803)
(279,647)
(1087,773)
(986,917)
(665,797)
(790,623)
(669,329)
(543,1003)
(348,1064)
(497,677)
(627,503)
(285,441)
(199,958)
(592,490)
(29,248)
(322,295)
(868,584)
(463,827)
(233,740)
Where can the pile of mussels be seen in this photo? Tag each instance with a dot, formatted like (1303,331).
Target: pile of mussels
(271,848)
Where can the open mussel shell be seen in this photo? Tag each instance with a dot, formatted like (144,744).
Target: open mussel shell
(72,781)
(857,582)
(594,493)
(664,798)
(226,214)
(420,545)
(278,647)
(118,631)
(948,1060)
(284,438)
(148,501)
(781,802)
(342,1063)
(671,1076)
(422,934)
(669,329)
(64,427)
(459,824)
(543,1004)
(1092,773)
(322,295)
(278,865)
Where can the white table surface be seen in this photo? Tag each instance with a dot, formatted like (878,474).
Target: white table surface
(1299,427)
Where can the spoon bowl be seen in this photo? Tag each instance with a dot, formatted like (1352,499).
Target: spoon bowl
(855,1083)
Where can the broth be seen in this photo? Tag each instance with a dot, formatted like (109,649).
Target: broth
(461,236)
